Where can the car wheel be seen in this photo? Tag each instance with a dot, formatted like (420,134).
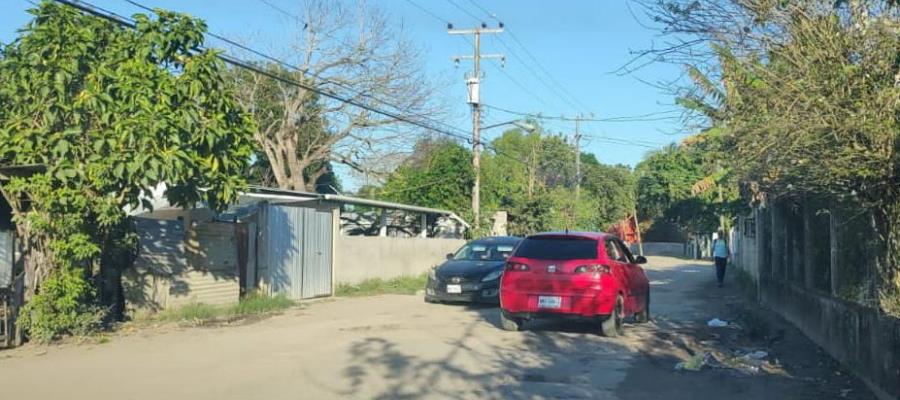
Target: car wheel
(430,300)
(509,323)
(612,326)
(644,315)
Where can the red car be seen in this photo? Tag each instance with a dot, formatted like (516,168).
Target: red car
(580,275)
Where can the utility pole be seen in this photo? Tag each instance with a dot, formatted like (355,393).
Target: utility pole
(577,158)
(473,82)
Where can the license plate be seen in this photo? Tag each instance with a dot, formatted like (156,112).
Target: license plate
(549,302)
(454,288)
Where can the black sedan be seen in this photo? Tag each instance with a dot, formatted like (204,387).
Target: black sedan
(473,273)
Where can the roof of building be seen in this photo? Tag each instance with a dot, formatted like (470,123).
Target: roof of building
(288,195)
(248,198)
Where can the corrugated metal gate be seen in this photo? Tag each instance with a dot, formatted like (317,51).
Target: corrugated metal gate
(298,250)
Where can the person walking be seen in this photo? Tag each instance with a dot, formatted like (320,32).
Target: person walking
(721,253)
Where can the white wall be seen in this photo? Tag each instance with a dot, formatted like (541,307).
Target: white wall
(358,258)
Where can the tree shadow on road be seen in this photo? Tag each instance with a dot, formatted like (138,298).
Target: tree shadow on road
(570,360)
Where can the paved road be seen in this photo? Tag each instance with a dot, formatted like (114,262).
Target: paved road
(396,347)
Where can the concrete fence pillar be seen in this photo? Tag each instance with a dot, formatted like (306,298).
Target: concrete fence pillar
(423,221)
(383,223)
(833,239)
(808,252)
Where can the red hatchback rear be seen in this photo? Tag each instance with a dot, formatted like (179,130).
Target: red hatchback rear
(581,275)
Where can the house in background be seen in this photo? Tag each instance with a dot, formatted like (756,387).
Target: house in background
(280,242)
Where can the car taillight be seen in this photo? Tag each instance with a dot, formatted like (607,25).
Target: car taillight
(512,266)
(593,268)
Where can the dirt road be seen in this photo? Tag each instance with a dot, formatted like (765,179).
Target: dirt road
(391,347)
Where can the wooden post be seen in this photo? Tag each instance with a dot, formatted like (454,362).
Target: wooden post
(833,238)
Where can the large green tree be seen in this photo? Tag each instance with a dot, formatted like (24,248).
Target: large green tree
(439,174)
(529,175)
(105,114)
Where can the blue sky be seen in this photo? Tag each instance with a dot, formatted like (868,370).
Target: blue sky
(577,42)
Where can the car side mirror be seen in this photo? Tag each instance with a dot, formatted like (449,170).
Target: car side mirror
(640,260)
(449,256)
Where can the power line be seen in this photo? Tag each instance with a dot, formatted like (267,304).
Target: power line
(303,71)
(426,11)
(633,118)
(533,58)
(521,86)
(455,4)
(276,8)
(112,17)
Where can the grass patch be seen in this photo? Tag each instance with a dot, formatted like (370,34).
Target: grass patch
(258,303)
(371,287)
(193,312)
(251,304)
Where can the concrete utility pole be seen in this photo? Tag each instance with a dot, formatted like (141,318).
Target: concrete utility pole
(473,83)
(577,158)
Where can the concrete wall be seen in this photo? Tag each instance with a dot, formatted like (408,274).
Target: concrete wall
(744,245)
(865,339)
(669,249)
(358,258)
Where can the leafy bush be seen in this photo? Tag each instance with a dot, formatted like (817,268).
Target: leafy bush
(64,306)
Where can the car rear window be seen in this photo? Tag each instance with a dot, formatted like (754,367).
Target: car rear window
(557,248)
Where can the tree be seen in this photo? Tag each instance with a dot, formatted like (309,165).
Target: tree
(814,94)
(108,113)
(357,53)
(440,176)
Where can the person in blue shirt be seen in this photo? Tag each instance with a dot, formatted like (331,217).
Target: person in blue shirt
(721,252)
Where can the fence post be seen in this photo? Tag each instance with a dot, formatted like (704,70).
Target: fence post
(808,244)
(833,239)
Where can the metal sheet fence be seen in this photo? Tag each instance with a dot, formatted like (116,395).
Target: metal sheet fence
(298,251)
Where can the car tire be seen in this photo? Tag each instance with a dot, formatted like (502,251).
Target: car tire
(644,315)
(612,326)
(509,323)
(431,301)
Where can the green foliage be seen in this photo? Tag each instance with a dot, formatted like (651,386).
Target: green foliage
(110,113)
(371,287)
(526,174)
(686,184)
(193,312)
(251,304)
(65,306)
(440,175)
(260,303)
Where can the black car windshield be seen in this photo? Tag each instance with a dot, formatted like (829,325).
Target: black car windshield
(557,248)
(484,252)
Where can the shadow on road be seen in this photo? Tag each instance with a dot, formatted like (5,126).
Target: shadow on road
(569,360)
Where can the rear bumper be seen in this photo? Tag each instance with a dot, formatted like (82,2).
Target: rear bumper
(587,305)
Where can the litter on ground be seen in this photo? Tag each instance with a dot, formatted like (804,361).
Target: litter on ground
(717,323)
